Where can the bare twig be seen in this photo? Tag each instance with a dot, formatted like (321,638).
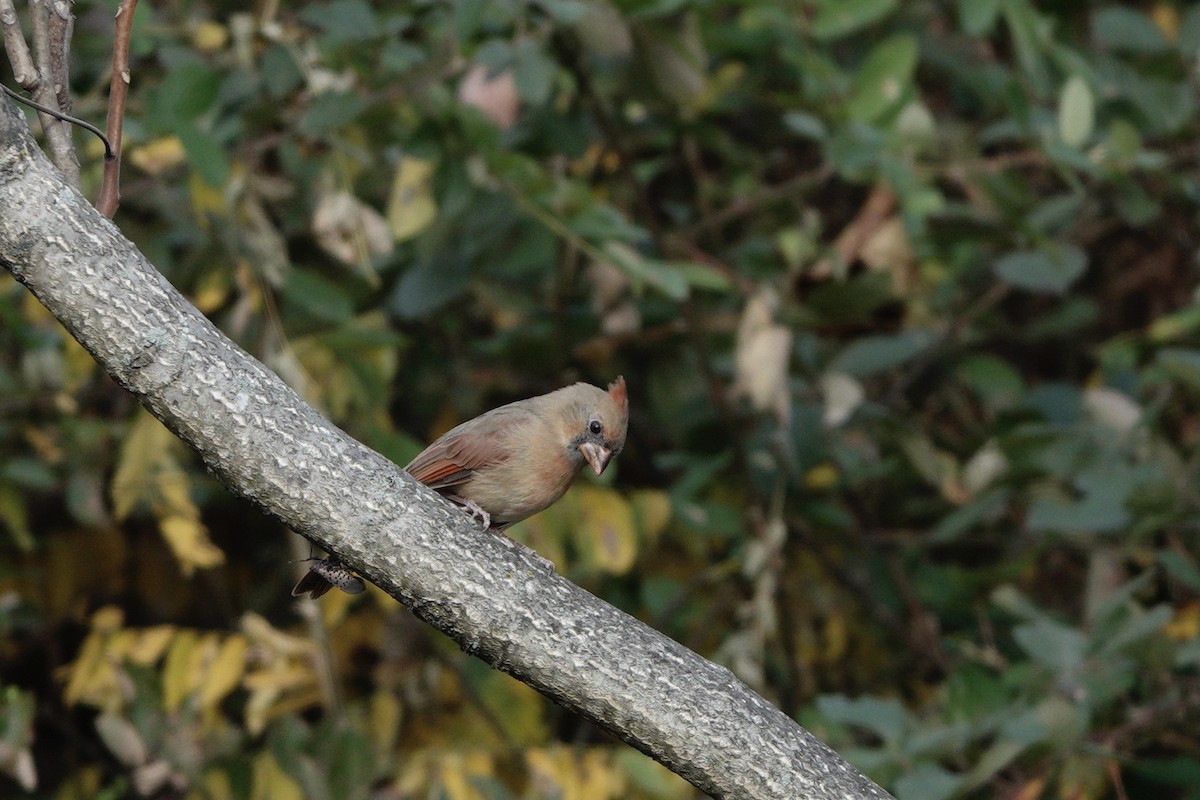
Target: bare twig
(87,126)
(110,187)
(60,27)
(24,71)
(58,133)
(798,185)
(879,205)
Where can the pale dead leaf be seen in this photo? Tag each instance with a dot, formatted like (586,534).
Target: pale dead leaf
(843,395)
(888,249)
(495,95)
(1112,408)
(761,357)
(350,230)
(612,299)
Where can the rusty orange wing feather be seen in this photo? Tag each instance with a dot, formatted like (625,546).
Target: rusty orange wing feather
(482,442)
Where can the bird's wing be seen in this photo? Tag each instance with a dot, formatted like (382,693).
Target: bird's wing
(482,442)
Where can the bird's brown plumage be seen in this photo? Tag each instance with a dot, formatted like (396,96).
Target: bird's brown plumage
(513,461)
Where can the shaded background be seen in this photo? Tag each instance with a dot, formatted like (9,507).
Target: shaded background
(905,295)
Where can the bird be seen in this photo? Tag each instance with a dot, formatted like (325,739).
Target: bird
(509,463)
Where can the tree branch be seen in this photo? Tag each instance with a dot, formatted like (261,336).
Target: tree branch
(118,90)
(47,36)
(483,591)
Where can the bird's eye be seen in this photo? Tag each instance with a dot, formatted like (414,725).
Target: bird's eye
(596,427)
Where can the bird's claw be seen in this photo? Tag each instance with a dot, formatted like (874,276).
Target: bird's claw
(478,513)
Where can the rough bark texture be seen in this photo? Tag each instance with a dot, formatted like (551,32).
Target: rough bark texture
(492,598)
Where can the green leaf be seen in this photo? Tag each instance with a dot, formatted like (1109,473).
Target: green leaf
(872,354)
(1076,112)
(978,17)
(342,21)
(1031,34)
(1122,28)
(429,285)
(204,153)
(702,276)
(887,718)
(1138,627)
(995,380)
(643,270)
(1052,644)
(329,111)
(187,92)
(884,78)
(1180,568)
(806,125)
(279,71)
(927,781)
(1183,365)
(533,72)
(836,18)
(989,506)
(1052,269)
(318,295)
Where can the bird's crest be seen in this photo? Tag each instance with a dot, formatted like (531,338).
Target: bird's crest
(619,395)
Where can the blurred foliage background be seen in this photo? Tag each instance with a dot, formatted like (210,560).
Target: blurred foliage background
(906,297)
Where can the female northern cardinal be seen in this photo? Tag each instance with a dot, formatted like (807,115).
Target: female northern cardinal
(511,462)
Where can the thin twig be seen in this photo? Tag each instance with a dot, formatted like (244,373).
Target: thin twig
(60,27)
(797,185)
(24,72)
(118,90)
(87,126)
(58,134)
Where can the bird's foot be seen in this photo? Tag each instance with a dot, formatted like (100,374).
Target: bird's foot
(478,513)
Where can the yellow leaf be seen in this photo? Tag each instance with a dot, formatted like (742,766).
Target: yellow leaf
(258,710)
(1185,625)
(652,510)
(158,155)
(607,533)
(150,644)
(1166,18)
(821,477)
(225,672)
(215,785)
(108,619)
(598,779)
(189,542)
(209,36)
(211,291)
(456,771)
(176,673)
(90,674)
(576,775)
(384,717)
(207,201)
(278,679)
(270,782)
(144,453)
(411,206)
(262,633)
(652,778)
(519,708)
(14,517)
(837,638)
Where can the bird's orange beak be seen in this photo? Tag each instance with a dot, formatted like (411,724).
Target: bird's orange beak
(597,456)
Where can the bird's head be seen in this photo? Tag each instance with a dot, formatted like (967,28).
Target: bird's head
(595,422)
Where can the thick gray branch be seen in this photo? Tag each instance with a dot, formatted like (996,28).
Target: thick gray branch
(489,596)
